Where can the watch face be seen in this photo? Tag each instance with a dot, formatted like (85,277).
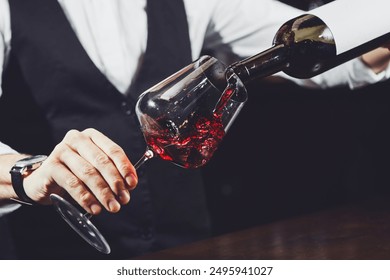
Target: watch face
(30,161)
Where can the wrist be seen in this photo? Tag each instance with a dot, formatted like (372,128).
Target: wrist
(20,170)
(378,59)
(7,161)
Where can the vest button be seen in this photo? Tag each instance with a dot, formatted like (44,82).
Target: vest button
(126,108)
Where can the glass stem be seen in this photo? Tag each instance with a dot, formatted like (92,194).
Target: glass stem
(146,156)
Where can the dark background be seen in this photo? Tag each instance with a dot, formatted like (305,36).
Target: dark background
(293,151)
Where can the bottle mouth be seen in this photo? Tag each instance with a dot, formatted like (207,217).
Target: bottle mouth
(221,77)
(232,79)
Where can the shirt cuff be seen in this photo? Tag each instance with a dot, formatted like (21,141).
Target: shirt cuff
(8,207)
(361,75)
(5,149)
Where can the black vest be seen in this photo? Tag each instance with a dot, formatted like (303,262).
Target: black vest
(50,72)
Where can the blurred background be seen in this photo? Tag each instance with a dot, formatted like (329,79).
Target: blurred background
(294,151)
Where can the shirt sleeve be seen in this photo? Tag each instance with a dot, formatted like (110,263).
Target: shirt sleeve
(246,26)
(5,35)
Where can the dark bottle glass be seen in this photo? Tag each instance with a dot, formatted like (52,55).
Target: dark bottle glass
(302,48)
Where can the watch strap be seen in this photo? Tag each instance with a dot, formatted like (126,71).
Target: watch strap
(17,183)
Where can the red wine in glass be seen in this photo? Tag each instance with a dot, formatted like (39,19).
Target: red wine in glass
(192,145)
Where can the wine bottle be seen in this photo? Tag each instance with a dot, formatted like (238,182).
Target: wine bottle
(315,42)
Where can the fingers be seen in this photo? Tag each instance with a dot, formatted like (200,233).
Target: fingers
(94,162)
(85,184)
(117,155)
(93,170)
(76,189)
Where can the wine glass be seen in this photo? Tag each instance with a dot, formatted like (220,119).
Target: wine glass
(183,119)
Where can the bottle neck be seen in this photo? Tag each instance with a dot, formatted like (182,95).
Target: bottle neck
(261,65)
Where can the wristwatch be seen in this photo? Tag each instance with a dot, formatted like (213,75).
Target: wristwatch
(19,171)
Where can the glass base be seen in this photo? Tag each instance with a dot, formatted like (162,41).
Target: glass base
(80,223)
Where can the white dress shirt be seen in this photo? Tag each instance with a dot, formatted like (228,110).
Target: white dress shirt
(114,35)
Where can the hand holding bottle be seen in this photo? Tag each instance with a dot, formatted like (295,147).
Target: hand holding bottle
(319,40)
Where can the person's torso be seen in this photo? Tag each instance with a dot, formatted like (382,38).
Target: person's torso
(49,68)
